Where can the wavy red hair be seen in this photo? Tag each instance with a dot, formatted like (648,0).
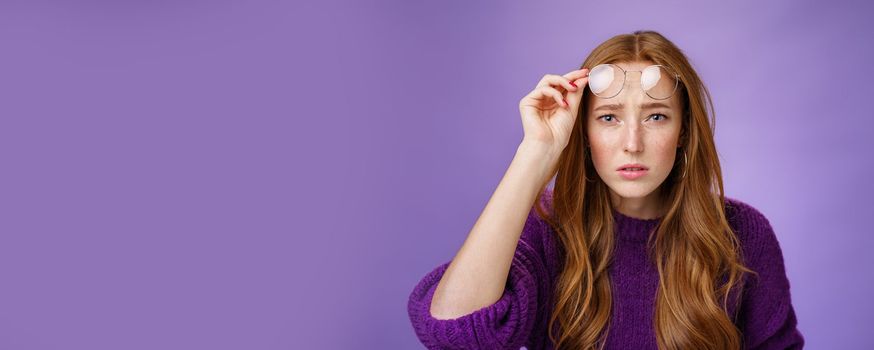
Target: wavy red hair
(696,252)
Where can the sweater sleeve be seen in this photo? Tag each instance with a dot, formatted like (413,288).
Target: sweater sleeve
(507,323)
(767,317)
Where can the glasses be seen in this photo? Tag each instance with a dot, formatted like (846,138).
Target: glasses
(657,81)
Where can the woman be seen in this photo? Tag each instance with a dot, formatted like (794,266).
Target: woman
(635,248)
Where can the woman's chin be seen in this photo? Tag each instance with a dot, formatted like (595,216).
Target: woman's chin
(632,189)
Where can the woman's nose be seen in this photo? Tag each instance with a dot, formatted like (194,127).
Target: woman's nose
(633,139)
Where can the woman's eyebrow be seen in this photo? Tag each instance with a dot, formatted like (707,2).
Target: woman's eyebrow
(618,106)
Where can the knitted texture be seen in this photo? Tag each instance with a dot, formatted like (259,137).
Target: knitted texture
(520,317)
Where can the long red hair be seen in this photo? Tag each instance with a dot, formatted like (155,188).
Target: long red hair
(695,249)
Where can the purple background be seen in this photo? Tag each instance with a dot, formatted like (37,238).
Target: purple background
(270,175)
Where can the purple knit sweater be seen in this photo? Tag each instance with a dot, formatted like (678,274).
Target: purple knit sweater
(520,317)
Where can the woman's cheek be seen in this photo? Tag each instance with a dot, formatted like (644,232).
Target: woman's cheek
(667,156)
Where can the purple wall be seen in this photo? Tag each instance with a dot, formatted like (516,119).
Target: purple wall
(267,175)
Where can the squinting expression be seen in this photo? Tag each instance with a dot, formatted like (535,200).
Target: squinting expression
(634,128)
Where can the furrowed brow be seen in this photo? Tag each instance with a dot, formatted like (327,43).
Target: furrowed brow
(619,106)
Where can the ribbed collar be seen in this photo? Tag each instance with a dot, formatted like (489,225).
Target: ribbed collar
(633,229)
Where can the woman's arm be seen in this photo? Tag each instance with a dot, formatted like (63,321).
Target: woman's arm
(478,273)
(487,296)
(491,298)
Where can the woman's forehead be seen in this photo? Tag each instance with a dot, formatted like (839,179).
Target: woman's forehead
(639,102)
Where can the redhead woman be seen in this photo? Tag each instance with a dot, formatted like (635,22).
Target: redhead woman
(635,247)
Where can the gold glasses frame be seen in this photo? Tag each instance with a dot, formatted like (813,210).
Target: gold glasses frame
(625,79)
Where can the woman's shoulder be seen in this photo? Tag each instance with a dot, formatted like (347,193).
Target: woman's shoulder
(744,216)
(752,228)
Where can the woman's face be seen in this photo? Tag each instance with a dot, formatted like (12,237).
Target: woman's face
(634,128)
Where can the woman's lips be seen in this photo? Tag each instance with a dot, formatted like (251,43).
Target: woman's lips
(632,174)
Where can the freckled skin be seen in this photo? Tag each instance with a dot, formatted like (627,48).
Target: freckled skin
(634,135)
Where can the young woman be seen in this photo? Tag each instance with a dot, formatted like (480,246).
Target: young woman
(636,247)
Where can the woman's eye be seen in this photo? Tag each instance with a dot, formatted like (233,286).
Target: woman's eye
(610,117)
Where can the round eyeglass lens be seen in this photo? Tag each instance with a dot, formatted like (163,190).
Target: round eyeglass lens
(607,80)
(658,82)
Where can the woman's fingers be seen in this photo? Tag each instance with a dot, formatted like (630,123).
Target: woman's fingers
(580,79)
(552,92)
(569,82)
(538,96)
(576,74)
(557,80)
(565,89)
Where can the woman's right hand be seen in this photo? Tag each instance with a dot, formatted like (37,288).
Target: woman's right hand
(550,110)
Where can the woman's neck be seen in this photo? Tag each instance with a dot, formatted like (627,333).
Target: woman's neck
(647,207)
